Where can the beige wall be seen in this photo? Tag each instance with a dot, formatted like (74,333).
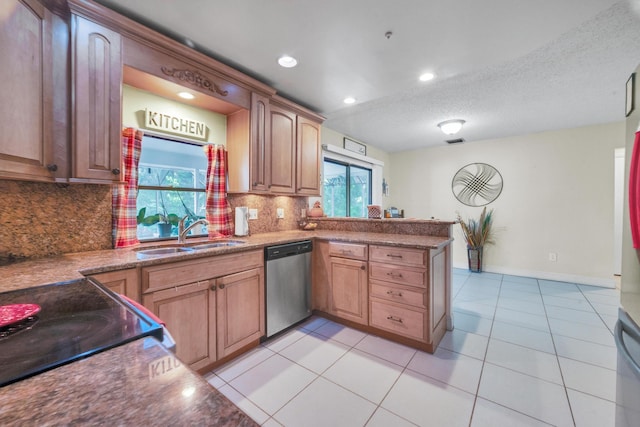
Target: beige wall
(558,197)
(135,101)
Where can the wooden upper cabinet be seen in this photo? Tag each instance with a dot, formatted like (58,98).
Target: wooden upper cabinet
(97,79)
(308,158)
(26,82)
(283,150)
(260,145)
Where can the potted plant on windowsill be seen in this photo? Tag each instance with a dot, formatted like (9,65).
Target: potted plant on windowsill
(477,234)
(164,220)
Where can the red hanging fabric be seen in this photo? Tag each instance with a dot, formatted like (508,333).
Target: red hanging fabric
(124,194)
(634,193)
(218,209)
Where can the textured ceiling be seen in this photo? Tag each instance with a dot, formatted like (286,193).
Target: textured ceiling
(507,67)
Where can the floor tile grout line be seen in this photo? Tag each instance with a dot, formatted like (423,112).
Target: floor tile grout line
(564,384)
(484,360)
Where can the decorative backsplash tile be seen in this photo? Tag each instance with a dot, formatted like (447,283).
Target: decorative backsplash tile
(267,216)
(40,219)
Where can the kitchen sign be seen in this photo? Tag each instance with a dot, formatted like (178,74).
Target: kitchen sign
(173,124)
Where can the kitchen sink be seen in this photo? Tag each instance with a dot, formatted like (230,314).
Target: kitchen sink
(162,251)
(220,244)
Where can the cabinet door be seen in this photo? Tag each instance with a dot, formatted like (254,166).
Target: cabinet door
(240,310)
(349,289)
(283,150)
(189,312)
(124,282)
(308,158)
(97,74)
(26,83)
(260,161)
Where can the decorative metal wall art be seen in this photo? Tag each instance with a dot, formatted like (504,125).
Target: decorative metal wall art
(477,184)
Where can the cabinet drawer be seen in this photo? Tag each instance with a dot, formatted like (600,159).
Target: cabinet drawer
(400,320)
(174,274)
(397,294)
(348,250)
(400,256)
(398,274)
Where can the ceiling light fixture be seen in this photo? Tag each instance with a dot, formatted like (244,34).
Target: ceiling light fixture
(451,127)
(287,61)
(349,100)
(186,95)
(426,77)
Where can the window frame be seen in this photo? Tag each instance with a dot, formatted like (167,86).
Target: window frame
(348,167)
(193,190)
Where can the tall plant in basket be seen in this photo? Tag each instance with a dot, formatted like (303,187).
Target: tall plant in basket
(477,233)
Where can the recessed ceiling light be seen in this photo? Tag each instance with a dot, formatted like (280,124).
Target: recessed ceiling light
(349,100)
(186,95)
(426,77)
(287,61)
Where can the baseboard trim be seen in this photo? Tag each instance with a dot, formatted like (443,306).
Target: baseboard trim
(546,275)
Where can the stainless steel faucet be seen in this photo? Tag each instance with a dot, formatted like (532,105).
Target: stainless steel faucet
(182,232)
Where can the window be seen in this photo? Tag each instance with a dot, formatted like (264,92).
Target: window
(171,184)
(341,199)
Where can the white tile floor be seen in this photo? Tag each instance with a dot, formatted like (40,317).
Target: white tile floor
(524,352)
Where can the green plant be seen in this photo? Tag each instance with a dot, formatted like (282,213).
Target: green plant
(478,232)
(164,217)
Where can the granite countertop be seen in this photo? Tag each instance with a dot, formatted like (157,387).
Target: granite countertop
(77,265)
(139,383)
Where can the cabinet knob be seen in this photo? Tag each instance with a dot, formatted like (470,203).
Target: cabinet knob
(115,171)
(213,287)
(52,167)
(362,267)
(221,286)
(255,184)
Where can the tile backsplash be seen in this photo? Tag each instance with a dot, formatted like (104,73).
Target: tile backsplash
(42,219)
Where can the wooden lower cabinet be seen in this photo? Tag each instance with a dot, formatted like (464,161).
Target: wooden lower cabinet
(221,310)
(400,293)
(124,282)
(190,314)
(348,296)
(240,310)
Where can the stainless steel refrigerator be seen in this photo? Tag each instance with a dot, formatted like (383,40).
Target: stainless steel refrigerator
(627,332)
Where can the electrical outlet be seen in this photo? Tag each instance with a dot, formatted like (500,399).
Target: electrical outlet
(553,257)
(280,213)
(253,213)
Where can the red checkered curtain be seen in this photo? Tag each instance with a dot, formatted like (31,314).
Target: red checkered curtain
(124,194)
(218,209)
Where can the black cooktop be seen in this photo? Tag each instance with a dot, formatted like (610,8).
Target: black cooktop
(77,319)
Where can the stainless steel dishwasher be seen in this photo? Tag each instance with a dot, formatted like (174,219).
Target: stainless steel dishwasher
(288,284)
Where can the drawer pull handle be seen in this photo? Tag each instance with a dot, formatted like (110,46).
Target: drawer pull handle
(346,251)
(392,274)
(395,294)
(394,256)
(394,319)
